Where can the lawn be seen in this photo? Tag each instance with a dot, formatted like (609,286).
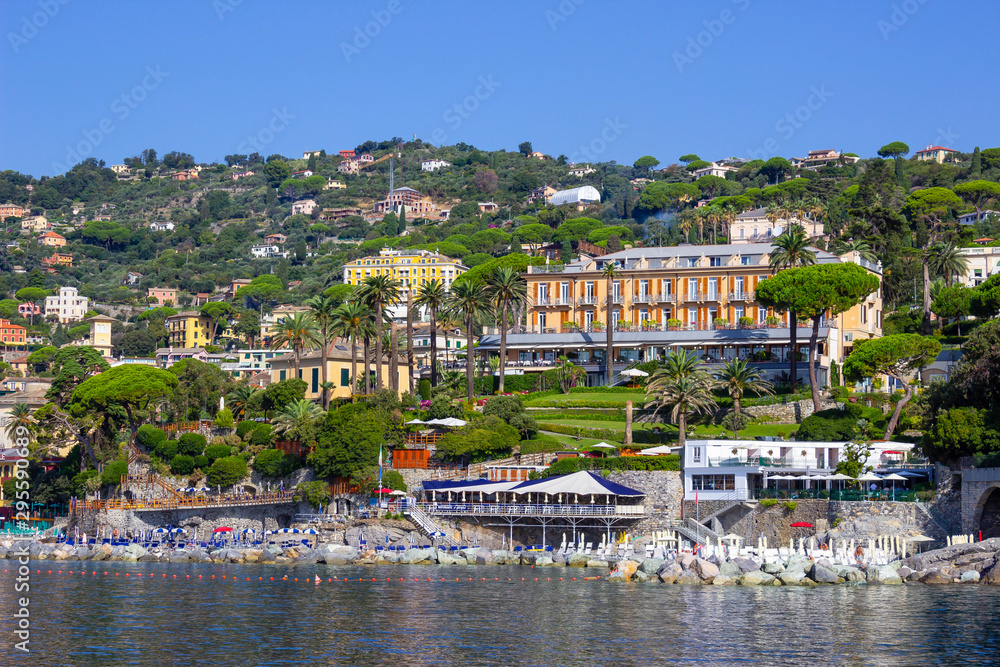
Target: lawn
(571,442)
(589,400)
(752,431)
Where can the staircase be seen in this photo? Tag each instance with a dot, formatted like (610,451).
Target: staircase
(427,524)
(696,532)
(145,477)
(935,516)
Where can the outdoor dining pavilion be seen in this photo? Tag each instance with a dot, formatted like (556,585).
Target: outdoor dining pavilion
(578,500)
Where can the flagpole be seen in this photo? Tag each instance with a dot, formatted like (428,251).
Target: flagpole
(380,478)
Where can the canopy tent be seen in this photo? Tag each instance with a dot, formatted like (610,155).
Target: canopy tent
(603,445)
(478,486)
(581,483)
(397,492)
(659,450)
(447,421)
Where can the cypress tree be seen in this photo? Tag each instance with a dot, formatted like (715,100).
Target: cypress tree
(977,163)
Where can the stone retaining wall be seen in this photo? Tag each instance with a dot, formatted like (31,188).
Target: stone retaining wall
(788,413)
(664,491)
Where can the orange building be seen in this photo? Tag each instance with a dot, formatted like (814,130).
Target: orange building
(52,239)
(58,259)
(12,335)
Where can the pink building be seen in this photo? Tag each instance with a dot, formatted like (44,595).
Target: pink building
(163,294)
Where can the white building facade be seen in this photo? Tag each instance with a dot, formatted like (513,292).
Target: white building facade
(68,305)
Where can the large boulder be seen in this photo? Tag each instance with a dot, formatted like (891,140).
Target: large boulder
(598,564)
(823,575)
(627,567)
(746,565)
(686,561)
(445,558)
(179,556)
(773,568)
(883,574)
(642,577)
(970,577)
(149,558)
(791,577)
(850,574)
(756,578)
(688,577)
(651,565)
(483,557)
(251,555)
(936,576)
(707,571)
(578,560)
(266,556)
(669,572)
(723,580)
(730,569)
(544,561)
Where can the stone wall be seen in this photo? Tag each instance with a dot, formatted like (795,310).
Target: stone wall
(977,489)
(788,413)
(664,491)
(258,517)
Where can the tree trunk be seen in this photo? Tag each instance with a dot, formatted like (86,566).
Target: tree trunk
(469,369)
(354,365)
(736,404)
(793,334)
(503,346)
(323,372)
(927,294)
(394,357)
(295,355)
(409,339)
(378,345)
(628,424)
(368,375)
(682,427)
(609,361)
(907,395)
(813,347)
(434,356)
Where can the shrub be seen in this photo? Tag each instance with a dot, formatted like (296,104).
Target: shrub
(541,443)
(768,502)
(191,444)
(227,471)
(566,466)
(315,493)
(215,452)
(275,463)
(113,473)
(261,436)
(224,418)
(424,389)
(166,450)
(148,436)
(182,464)
(201,462)
(791,505)
(245,427)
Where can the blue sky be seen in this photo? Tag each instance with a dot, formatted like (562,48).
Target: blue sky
(590,79)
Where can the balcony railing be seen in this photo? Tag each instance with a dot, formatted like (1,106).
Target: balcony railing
(587,301)
(664,298)
(615,299)
(741,296)
(551,301)
(643,298)
(505,509)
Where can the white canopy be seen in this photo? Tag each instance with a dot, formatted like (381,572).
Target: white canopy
(604,445)
(656,451)
(635,372)
(840,477)
(415,421)
(869,477)
(447,421)
(581,483)
(893,477)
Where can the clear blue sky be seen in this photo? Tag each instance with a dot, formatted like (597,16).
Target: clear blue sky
(621,79)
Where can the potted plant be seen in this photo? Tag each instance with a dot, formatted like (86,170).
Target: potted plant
(645,325)
(597,326)
(673,324)
(720,322)
(570,326)
(772,321)
(746,322)
(622,325)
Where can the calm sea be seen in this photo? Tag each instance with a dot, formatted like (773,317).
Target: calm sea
(87,620)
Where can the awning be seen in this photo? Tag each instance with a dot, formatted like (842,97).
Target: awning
(581,483)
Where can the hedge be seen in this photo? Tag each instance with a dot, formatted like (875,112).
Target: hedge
(276,463)
(541,443)
(149,436)
(638,437)
(227,471)
(245,427)
(615,464)
(261,435)
(182,464)
(215,452)
(191,444)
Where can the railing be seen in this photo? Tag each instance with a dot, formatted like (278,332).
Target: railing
(643,298)
(742,296)
(272,498)
(848,495)
(507,509)
(587,301)
(418,439)
(421,519)
(614,299)
(664,298)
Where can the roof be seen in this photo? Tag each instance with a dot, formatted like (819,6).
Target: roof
(934,149)
(583,193)
(100,318)
(579,483)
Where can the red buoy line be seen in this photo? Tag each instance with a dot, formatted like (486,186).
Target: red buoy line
(316,579)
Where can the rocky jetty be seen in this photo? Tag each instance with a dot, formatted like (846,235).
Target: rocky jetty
(966,563)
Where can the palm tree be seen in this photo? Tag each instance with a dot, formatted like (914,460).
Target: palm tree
(682,386)
(468,299)
(738,377)
(947,258)
(353,321)
(610,272)
(239,399)
(323,309)
(379,292)
(297,331)
(432,296)
(858,246)
(20,417)
(507,290)
(294,419)
(791,249)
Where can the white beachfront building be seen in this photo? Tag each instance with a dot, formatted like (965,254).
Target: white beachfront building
(738,469)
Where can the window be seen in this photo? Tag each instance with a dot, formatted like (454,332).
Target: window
(667,287)
(745,261)
(617,290)
(692,315)
(864,314)
(738,313)
(713,288)
(281,376)
(692,262)
(742,232)
(739,285)
(692,287)
(696,454)
(713,482)
(588,318)
(643,288)
(715,261)
(315,380)
(564,292)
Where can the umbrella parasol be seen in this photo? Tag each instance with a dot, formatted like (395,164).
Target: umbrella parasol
(382,490)
(635,372)
(893,477)
(801,524)
(397,493)
(223,529)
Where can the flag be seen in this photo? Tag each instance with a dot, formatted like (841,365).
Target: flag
(380,469)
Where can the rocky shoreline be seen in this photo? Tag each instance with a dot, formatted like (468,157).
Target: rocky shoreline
(968,563)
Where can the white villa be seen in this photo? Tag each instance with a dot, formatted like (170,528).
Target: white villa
(738,469)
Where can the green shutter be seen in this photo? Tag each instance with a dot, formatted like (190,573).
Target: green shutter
(281,376)
(345,377)
(315,380)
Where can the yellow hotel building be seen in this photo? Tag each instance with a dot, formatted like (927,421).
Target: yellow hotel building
(189,329)
(700,298)
(412,268)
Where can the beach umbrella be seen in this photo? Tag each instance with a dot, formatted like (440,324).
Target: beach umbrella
(801,524)
(383,490)
(635,373)
(313,531)
(223,529)
(893,477)
(415,421)
(160,531)
(397,493)
(178,531)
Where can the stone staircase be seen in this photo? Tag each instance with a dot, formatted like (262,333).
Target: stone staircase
(696,532)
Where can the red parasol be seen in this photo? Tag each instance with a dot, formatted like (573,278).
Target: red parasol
(801,524)
(383,490)
(223,529)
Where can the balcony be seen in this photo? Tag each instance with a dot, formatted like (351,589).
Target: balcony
(590,300)
(701,296)
(644,298)
(550,301)
(617,299)
(664,298)
(741,296)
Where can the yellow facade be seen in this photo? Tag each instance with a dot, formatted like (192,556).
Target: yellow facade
(189,329)
(338,365)
(100,334)
(412,268)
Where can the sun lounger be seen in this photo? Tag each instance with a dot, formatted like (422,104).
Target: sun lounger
(590,547)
